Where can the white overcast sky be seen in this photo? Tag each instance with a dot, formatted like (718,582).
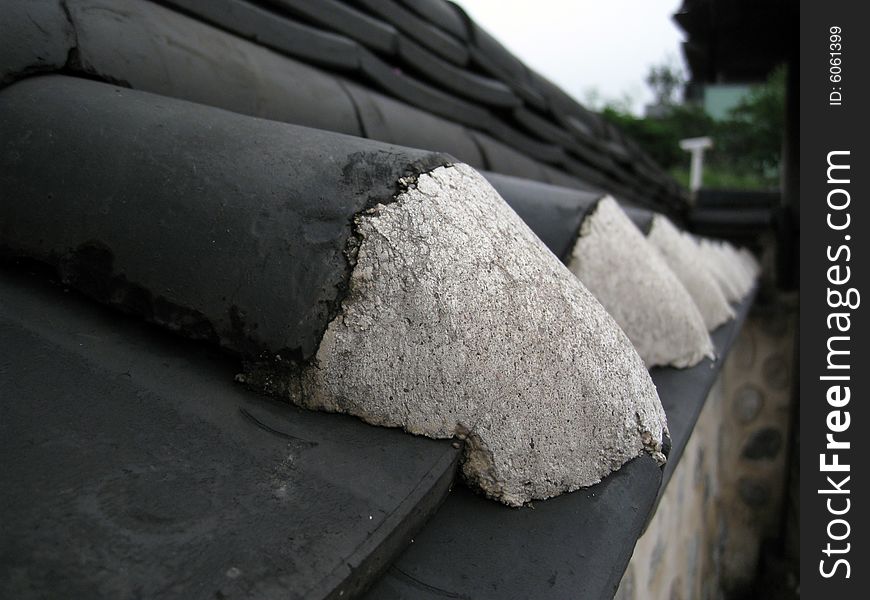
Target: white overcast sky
(606,45)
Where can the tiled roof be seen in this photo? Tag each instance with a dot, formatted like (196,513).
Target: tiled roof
(216,180)
(427,57)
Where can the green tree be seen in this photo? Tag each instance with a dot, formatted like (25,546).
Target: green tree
(666,81)
(660,137)
(747,145)
(750,140)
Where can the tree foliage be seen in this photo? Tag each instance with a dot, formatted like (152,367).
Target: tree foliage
(665,81)
(747,144)
(751,139)
(660,137)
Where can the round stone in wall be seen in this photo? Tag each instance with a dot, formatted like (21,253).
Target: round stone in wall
(748,401)
(763,444)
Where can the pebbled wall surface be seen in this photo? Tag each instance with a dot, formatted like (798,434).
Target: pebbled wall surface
(707,537)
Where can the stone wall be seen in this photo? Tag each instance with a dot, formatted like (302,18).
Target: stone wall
(753,454)
(726,496)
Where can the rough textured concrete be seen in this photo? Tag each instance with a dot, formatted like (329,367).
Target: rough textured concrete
(634,283)
(517,553)
(725,267)
(459,321)
(719,269)
(455,318)
(689,266)
(750,262)
(743,269)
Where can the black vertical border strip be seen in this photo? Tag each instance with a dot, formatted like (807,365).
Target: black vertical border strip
(825,128)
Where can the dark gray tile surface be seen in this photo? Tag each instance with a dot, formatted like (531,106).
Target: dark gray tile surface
(134,467)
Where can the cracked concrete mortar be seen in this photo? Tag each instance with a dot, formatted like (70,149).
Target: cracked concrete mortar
(689,265)
(459,321)
(634,283)
(750,263)
(726,268)
(740,265)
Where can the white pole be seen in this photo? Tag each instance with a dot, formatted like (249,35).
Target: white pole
(696,147)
